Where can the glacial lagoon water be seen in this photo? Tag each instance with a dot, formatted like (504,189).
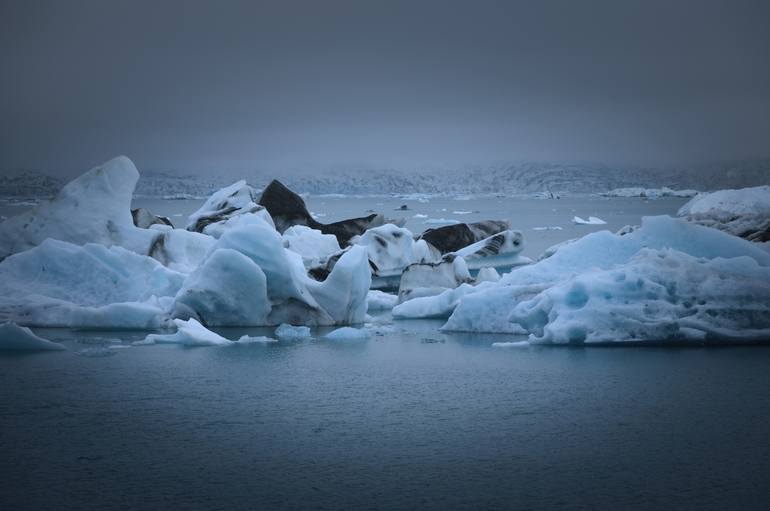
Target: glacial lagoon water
(410,418)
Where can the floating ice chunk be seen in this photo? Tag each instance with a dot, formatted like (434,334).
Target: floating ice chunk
(592,220)
(438,306)
(347,333)
(245,339)
(500,250)
(441,221)
(311,244)
(283,269)
(483,307)
(61,284)
(657,296)
(228,289)
(462,212)
(547,228)
(380,301)
(744,212)
(228,203)
(94,208)
(189,333)
(15,337)
(343,294)
(420,215)
(292,333)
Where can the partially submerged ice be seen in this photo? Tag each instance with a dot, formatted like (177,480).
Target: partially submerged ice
(669,280)
(663,295)
(188,333)
(15,337)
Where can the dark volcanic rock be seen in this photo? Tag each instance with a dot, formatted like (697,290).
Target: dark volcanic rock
(143,218)
(451,238)
(287,209)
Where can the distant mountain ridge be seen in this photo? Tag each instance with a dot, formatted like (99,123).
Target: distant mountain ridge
(503,179)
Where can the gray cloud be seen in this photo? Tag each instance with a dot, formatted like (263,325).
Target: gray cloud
(202,86)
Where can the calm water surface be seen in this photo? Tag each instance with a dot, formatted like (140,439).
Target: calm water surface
(408,419)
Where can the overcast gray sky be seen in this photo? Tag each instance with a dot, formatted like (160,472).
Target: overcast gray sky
(204,85)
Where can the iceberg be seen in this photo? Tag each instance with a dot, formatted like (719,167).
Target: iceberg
(45,286)
(391,249)
(430,279)
(347,333)
(288,295)
(227,289)
(292,333)
(228,203)
(499,251)
(380,301)
(592,220)
(503,306)
(94,208)
(659,295)
(313,245)
(15,337)
(288,209)
(744,212)
(451,238)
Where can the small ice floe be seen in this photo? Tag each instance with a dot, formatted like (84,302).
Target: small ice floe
(189,333)
(420,215)
(513,344)
(592,220)
(441,221)
(316,216)
(547,228)
(247,339)
(96,352)
(462,212)
(292,333)
(15,337)
(347,333)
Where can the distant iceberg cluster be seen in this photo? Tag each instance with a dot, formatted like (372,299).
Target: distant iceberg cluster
(650,193)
